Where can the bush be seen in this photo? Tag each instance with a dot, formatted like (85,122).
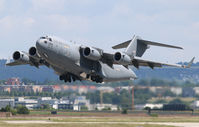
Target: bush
(154,115)
(45,106)
(147,108)
(9,109)
(22,110)
(124,111)
(13,111)
(54,112)
(84,108)
(106,109)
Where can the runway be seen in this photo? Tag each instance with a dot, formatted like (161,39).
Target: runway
(184,124)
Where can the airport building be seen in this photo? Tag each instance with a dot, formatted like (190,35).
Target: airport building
(29,103)
(5,102)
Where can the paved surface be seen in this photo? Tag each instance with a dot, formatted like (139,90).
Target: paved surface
(186,124)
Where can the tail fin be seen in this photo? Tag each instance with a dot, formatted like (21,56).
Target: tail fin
(135,48)
(138,46)
(189,64)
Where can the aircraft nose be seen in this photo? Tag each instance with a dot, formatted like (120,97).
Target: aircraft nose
(39,43)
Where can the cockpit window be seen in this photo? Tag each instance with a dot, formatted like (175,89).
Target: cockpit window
(42,37)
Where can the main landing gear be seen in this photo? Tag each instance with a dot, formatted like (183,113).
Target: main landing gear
(97,79)
(68,78)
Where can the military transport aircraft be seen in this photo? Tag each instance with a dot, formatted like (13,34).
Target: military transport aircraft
(77,62)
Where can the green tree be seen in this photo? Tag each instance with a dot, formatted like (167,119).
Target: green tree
(176,101)
(22,110)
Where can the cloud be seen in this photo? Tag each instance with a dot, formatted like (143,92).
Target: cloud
(14,23)
(103,23)
(47,5)
(29,21)
(67,23)
(2,5)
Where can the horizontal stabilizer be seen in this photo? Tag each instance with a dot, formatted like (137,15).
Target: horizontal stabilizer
(122,45)
(158,44)
(126,43)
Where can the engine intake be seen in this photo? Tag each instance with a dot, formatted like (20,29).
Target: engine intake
(20,56)
(32,51)
(16,55)
(91,53)
(122,58)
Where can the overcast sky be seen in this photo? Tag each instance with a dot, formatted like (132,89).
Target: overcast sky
(102,23)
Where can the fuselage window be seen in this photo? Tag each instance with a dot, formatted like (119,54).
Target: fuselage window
(50,39)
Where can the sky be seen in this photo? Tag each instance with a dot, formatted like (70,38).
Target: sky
(102,23)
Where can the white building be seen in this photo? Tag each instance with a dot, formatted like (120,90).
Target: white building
(104,106)
(28,103)
(154,106)
(5,102)
(176,90)
(82,101)
(196,89)
(48,100)
(195,105)
(106,89)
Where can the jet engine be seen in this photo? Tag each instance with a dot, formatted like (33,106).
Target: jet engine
(91,53)
(33,51)
(122,58)
(20,56)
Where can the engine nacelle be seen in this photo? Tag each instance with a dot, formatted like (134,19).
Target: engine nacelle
(91,53)
(20,56)
(33,51)
(122,58)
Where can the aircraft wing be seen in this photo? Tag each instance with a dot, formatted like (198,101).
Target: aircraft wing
(143,62)
(15,63)
(33,61)
(138,61)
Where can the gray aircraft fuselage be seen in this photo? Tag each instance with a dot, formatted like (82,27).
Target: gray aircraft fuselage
(67,58)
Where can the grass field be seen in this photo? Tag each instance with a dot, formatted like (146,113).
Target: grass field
(83,122)
(79,125)
(91,119)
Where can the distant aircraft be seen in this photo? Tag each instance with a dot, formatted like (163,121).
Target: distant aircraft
(77,62)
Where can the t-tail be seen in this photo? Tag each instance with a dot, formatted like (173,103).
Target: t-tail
(137,46)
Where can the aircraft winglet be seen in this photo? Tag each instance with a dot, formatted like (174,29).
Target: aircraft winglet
(189,64)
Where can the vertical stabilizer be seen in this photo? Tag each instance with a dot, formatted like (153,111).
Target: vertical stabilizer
(132,47)
(135,48)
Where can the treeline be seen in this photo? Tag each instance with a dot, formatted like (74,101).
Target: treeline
(19,109)
(141,82)
(162,82)
(122,99)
